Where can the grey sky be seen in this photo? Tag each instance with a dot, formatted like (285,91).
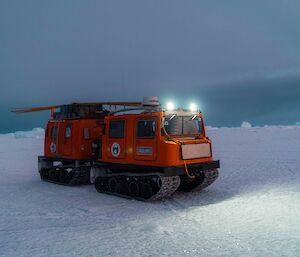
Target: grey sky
(64,51)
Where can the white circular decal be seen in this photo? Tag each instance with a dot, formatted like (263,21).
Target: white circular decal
(53,147)
(115,149)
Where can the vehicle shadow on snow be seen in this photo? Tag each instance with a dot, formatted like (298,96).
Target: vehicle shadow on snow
(228,188)
(203,198)
(185,200)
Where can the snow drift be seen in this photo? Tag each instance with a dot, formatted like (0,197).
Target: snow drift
(35,133)
(246,124)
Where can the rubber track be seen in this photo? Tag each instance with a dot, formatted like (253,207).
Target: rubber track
(169,185)
(209,177)
(79,177)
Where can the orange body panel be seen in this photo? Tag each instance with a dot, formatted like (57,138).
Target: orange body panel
(164,152)
(74,139)
(77,145)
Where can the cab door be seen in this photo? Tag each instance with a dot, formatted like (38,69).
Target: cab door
(116,139)
(64,139)
(67,139)
(145,139)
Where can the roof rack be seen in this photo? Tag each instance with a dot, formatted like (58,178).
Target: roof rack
(53,107)
(93,110)
(143,108)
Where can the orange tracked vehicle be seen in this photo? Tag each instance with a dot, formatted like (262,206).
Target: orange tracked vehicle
(131,149)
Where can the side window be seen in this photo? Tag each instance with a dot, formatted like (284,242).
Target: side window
(86,133)
(68,131)
(54,132)
(145,128)
(116,129)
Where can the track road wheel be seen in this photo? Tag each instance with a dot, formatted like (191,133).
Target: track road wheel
(188,184)
(123,187)
(100,185)
(68,176)
(145,190)
(159,182)
(54,175)
(113,185)
(44,174)
(133,188)
(62,174)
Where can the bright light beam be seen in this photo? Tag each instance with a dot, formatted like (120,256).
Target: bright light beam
(170,106)
(193,107)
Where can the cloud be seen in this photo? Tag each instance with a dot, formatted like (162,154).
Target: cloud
(59,51)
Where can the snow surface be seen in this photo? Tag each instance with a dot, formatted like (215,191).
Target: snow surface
(246,124)
(253,209)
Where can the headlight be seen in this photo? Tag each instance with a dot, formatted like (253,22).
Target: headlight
(193,107)
(170,106)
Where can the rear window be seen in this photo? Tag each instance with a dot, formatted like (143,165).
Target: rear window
(86,133)
(54,132)
(116,129)
(145,128)
(68,132)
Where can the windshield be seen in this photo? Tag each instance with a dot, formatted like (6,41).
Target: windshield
(183,125)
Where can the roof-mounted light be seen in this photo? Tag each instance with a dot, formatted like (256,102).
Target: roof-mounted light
(170,106)
(193,107)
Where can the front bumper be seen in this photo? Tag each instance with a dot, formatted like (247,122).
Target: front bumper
(205,165)
(193,169)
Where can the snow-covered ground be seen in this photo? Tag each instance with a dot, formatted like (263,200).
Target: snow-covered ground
(253,209)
